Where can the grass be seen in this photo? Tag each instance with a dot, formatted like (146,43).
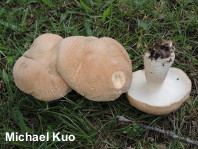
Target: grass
(135,24)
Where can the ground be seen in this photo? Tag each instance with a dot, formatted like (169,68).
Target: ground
(133,23)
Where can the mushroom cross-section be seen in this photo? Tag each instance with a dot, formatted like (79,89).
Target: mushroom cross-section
(159,89)
(98,69)
(35,71)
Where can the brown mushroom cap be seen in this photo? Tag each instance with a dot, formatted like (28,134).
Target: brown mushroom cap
(99,69)
(35,71)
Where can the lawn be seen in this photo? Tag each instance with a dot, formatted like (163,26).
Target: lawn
(133,23)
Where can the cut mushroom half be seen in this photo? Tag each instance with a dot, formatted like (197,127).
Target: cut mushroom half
(159,89)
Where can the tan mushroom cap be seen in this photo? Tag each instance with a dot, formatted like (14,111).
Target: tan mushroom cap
(99,69)
(174,91)
(35,71)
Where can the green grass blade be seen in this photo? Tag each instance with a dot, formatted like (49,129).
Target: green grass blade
(88,28)
(89,10)
(142,24)
(11,26)
(107,11)
(23,21)
(99,3)
(22,144)
(48,3)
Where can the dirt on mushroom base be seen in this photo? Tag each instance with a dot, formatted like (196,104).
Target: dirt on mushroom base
(160,49)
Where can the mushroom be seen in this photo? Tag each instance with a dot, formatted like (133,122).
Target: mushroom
(35,71)
(159,89)
(98,69)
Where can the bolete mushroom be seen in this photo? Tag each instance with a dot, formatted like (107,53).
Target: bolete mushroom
(159,89)
(35,71)
(98,69)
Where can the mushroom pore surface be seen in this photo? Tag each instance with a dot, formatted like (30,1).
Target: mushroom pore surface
(99,69)
(35,71)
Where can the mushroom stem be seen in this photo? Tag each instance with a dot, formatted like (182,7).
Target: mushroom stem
(157,61)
